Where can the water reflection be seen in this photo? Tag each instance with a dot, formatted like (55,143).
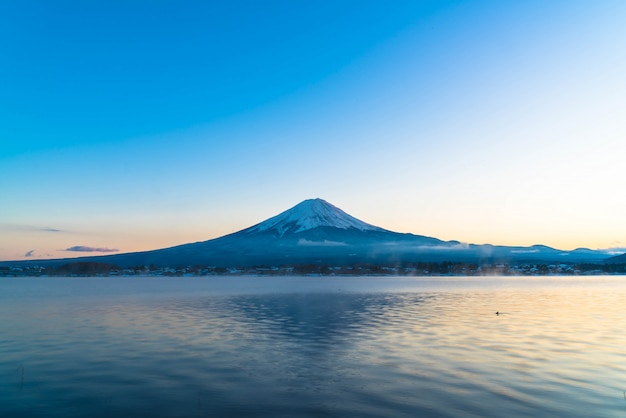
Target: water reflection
(367,349)
(306,319)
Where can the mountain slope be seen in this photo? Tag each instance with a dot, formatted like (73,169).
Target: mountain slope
(618,259)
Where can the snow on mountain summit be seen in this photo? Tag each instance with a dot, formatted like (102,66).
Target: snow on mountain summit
(310,214)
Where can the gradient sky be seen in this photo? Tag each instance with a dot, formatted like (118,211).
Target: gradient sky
(134,125)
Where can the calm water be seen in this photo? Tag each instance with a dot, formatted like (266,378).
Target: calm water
(340,347)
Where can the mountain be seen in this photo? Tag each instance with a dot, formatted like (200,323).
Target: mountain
(618,259)
(311,214)
(316,232)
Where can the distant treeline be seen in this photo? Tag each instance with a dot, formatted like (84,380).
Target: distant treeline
(82,268)
(445,268)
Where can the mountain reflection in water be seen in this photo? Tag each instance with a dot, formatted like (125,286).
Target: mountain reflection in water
(312,347)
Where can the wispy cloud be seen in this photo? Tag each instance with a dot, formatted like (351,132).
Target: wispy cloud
(29,253)
(442,247)
(453,247)
(324,243)
(614,250)
(27,228)
(85,249)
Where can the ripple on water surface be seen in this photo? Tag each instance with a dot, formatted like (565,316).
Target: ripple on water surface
(307,347)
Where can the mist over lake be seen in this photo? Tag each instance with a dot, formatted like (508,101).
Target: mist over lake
(304,346)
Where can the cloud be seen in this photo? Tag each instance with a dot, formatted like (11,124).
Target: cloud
(325,243)
(29,253)
(85,249)
(453,247)
(28,228)
(614,250)
(457,246)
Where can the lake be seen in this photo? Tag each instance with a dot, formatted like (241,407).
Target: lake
(304,346)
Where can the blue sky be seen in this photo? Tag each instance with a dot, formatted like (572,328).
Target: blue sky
(138,125)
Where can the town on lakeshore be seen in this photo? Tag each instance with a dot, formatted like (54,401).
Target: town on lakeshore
(445,268)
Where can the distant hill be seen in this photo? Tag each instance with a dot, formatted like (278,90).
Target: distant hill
(316,232)
(619,259)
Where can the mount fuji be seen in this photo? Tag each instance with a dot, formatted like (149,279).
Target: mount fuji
(311,214)
(316,232)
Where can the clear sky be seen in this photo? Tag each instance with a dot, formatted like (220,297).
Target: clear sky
(134,125)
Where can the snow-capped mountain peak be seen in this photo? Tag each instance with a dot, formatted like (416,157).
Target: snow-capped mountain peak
(310,214)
